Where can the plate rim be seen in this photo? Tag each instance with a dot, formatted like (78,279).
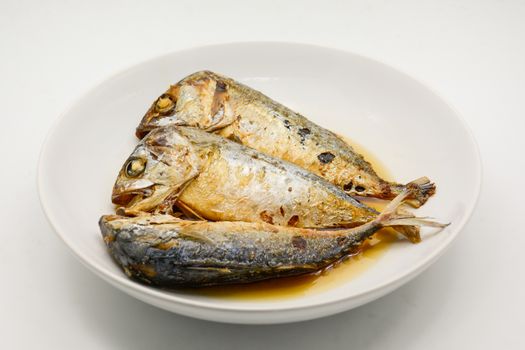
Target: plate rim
(260,307)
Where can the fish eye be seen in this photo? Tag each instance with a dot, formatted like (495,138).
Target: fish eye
(135,167)
(164,104)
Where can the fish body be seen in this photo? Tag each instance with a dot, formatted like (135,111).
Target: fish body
(213,178)
(200,253)
(170,252)
(218,104)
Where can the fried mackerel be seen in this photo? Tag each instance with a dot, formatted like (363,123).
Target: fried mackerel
(212,178)
(218,104)
(165,251)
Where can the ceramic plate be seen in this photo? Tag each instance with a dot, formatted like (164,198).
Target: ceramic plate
(399,120)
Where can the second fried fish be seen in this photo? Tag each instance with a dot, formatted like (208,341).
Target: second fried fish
(210,177)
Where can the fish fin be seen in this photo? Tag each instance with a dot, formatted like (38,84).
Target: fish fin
(403,221)
(421,190)
(188,211)
(416,221)
(412,233)
(167,206)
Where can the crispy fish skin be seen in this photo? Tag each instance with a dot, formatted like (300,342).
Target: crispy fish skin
(216,103)
(216,179)
(165,251)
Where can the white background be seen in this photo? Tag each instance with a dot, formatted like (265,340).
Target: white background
(471,52)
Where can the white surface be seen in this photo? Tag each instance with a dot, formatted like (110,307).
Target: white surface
(471,52)
(372,103)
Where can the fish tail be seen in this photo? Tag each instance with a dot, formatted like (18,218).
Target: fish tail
(403,221)
(412,233)
(421,190)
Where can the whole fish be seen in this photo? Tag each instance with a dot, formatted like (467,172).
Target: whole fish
(213,178)
(215,103)
(166,251)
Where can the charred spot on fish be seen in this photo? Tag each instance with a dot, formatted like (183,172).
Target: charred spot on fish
(286,123)
(325,157)
(341,240)
(159,141)
(234,138)
(303,132)
(299,242)
(386,190)
(289,189)
(293,220)
(281,209)
(220,86)
(348,187)
(359,188)
(266,217)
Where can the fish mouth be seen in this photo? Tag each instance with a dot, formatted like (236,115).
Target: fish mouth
(137,201)
(147,124)
(162,110)
(126,197)
(150,123)
(142,131)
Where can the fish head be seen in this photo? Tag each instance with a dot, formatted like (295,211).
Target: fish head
(155,172)
(161,112)
(199,100)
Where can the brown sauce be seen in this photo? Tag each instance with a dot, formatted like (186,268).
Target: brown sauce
(285,288)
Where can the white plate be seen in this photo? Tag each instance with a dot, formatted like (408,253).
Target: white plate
(413,131)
